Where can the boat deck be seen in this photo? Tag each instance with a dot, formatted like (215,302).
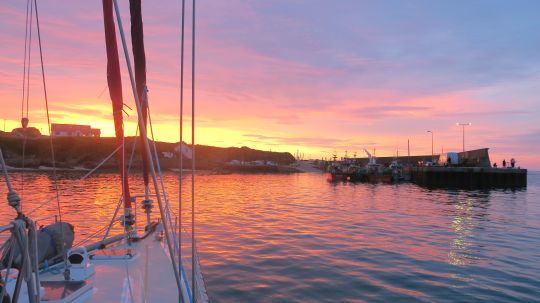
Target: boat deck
(138,272)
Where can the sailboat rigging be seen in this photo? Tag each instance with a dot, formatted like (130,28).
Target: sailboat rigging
(139,59)
(114,81)
(115,268)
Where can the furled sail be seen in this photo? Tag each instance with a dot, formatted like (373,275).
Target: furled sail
(139,58)
(114,81)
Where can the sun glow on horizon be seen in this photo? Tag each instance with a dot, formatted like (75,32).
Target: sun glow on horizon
(287,84)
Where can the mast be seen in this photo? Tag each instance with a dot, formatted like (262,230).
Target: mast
(409,152)
(148,151)
(114,82)
(139,59)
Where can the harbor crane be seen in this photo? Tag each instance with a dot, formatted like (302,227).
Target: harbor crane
(372,160)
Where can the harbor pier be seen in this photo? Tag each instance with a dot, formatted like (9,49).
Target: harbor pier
(469,177)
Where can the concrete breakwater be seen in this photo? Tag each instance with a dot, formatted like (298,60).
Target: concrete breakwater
(469,177)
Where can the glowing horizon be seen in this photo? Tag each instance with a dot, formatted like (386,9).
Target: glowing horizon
(271,76)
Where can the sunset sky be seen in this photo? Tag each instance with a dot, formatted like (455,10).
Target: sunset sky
(314,76)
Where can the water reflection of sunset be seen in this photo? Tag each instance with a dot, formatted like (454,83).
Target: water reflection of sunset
(284,232)
(463,225)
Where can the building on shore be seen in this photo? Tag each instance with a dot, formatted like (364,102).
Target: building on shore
(74,130)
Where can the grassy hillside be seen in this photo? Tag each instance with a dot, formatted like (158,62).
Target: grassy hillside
(88,152)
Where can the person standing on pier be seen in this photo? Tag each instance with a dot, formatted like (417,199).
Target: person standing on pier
(495,165)
(513,162)
(504,162)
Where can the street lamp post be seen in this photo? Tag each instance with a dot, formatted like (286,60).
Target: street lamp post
(432,157)
(463,127)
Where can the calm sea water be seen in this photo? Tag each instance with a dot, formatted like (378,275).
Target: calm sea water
(298,238)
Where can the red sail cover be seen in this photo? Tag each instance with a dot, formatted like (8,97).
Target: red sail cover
(114,81)
(139,58)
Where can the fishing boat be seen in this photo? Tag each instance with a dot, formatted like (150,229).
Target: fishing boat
(334,172)
(346,172)
(151,260)
(372,172)
(376,172)
(377,177)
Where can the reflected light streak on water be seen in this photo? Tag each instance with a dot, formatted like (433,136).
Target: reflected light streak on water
(298,238)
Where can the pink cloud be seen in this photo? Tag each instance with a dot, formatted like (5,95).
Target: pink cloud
(295,87)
